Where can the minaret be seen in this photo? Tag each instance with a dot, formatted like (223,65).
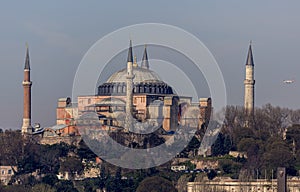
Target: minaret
(129,87)
(145,62)
(26,127)
(135,62)
(249,83)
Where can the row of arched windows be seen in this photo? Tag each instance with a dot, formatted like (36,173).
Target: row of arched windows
(120,88)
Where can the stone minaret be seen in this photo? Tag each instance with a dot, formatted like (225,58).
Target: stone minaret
(249,83)
(26,127)
(129,87)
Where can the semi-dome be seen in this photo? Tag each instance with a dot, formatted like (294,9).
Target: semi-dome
(140,75)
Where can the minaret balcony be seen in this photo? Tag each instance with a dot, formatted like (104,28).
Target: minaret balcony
(129,76)
(248,81)
(26,83)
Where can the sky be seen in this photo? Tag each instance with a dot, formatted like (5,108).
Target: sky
(59,33)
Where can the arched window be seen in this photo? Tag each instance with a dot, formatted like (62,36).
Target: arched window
(146,88)
(124,88)
(119,88)
(115,88)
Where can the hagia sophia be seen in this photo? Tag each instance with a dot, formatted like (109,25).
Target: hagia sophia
(131,96)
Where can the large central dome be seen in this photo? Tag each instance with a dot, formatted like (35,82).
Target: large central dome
(145,81)
(141,75)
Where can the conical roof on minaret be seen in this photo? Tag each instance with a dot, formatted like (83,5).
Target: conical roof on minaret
(27,60)
(250,56)
(130,56)
(145,62)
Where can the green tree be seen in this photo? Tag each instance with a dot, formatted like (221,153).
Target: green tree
(218,147)
(118,180)
(89,185)
(50,179)
(65,186)
(211,174)
(245,144)
(42,188)
(230,167)
(227,143)
(31,181)
(156,184)
(72,165)
(84,151)
(293,136)
(15,188)
(30,158)
(11,150)
(49,159)
(278,154)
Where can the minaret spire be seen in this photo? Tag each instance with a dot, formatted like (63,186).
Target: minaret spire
(249,83)
(130,55)
(26,127)
(27,60)
(145,62)
(250,55)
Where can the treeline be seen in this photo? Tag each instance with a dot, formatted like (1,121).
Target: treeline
(270,139)
(38,166)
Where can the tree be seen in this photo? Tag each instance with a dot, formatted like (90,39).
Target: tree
(11,143)
(50,179)
(293,136)
(245,144)
(193,145)
(241,133)
(84,151)
(72,165)
(278,154)
(15,188)
(31,181)
(156,184)
(211,174)
(102,176)
(218,147)
(65,186)
(42,188)
(30,159)
(49,159)
(89,185)
(230,167)
(118,180)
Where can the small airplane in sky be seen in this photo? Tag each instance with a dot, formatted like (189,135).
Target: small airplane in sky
(288,81)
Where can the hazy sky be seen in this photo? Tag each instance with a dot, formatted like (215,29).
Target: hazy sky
(60,32)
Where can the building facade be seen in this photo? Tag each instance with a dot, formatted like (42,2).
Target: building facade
(234,185)
(6,173)
(133,95)
(137,94)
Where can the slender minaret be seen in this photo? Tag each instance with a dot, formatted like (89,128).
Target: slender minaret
(129,86)
(26,127)
(249,83)
(145,62)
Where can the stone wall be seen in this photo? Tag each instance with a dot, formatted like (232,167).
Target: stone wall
(71,140)
(226,185)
